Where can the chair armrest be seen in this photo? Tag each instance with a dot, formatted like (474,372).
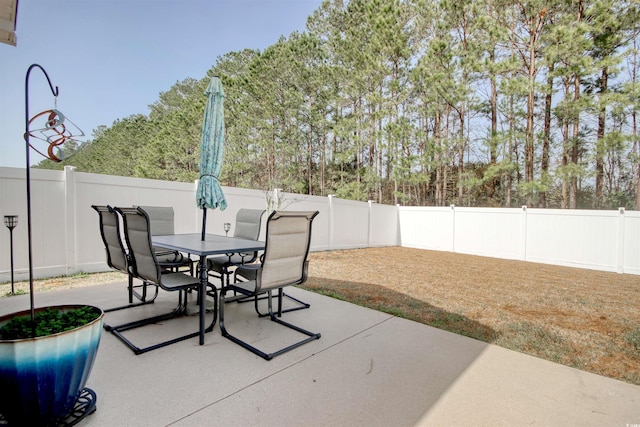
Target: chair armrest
(247,271)
(305,272)
(160,252)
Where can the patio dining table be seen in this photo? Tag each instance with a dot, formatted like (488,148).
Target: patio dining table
(213,244)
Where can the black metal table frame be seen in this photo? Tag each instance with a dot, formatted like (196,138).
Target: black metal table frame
(213,244)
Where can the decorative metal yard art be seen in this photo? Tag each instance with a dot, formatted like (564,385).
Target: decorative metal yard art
(209,194)
(43,375)
(53,123)
(52,127)
(55,131)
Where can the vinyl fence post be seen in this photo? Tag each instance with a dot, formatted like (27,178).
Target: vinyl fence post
(370,223)
(70,214)
(621,241)
(523,234)
(453,227)
(330,240)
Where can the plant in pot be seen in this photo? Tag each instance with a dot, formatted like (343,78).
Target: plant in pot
(47,353)
(43,375)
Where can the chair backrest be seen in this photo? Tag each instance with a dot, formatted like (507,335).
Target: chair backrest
(138,237)
(161,219)
(110,232)
(248,223)
(286,249)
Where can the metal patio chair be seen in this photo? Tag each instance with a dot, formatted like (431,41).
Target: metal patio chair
(162,220)
(145,266)
(118,258)
(248,223)
(284,263)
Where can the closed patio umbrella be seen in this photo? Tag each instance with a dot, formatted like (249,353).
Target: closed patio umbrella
(209,193)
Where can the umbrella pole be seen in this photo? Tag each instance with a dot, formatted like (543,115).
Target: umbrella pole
(204,223)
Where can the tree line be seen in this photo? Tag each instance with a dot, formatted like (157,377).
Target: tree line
(414,102)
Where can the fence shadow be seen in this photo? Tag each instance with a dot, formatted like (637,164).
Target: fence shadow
(383,299)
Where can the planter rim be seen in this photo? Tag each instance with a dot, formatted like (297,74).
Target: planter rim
(6,317)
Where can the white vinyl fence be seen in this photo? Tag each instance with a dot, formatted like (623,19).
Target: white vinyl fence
(602,240)
(66,238)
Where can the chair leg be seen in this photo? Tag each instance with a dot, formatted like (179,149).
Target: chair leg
(178,311)
(145,286)
(143,298)
(267,356)
(301,305)
(281,295)
(130,288)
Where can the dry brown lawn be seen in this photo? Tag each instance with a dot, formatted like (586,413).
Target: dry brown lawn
(582,318)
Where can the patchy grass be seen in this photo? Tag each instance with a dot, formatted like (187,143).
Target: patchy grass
(78,280)
(633,338)
(586,319)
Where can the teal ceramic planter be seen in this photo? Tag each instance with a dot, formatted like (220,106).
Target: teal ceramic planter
(41,378)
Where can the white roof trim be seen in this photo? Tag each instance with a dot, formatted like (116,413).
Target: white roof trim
(8,18)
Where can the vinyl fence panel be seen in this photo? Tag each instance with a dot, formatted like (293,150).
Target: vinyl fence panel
(349,224)
(66,237)
(427,227)
(489,232)
(576,238)
(384,229)
(629,233)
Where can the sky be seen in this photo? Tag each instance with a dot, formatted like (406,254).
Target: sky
(112,58)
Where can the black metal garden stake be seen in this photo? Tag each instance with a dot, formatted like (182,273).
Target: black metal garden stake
(11,221)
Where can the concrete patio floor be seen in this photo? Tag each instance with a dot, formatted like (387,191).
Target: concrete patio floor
(369,369)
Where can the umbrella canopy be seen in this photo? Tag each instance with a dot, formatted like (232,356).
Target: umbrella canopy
(209,193)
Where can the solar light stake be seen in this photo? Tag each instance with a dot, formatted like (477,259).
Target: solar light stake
(11,221)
